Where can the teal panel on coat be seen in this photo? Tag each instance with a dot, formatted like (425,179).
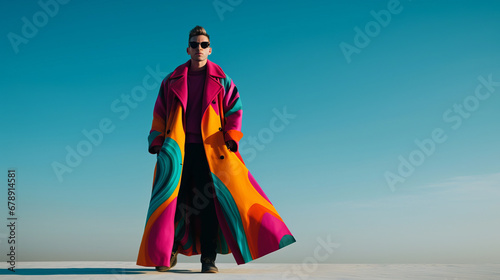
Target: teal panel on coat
(168,174)
(233,218)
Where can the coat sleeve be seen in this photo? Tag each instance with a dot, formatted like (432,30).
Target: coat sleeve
(232,113)
(157,133)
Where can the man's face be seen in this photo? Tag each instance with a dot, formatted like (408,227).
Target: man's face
(199,53)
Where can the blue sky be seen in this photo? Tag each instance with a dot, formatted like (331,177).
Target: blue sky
(353,117)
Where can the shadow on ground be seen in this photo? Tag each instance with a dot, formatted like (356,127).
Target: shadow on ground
(88,271)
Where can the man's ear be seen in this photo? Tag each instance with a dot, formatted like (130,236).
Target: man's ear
(187,50)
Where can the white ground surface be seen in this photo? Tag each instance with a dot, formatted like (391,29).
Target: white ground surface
(129,270)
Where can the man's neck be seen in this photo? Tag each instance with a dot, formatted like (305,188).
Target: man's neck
(198,65)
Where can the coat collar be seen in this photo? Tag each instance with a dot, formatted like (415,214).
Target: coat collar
(212,84)
(213,70)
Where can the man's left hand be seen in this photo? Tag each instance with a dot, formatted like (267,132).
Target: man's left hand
(231,145)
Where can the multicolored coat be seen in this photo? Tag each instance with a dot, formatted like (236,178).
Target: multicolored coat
(249,225)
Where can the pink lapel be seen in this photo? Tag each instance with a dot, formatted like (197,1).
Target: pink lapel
(178,83)
(212,85)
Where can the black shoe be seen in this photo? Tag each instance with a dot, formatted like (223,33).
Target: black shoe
(162,268)
(173,262)
(173,259)
(208,266)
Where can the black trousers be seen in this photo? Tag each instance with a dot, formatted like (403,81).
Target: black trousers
(196,198)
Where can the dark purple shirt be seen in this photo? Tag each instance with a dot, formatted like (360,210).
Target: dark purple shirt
(196,84)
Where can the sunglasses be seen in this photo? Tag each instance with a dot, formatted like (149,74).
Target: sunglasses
(195,45)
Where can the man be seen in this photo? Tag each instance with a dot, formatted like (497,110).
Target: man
(204,199)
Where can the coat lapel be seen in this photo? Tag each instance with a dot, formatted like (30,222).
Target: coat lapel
(179,83)
(212,85)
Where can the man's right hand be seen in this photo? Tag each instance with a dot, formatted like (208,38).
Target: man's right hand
(156,149)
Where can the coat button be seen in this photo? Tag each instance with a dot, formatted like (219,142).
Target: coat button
(220,128)
(221,157)
(213,101)
(168,131)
